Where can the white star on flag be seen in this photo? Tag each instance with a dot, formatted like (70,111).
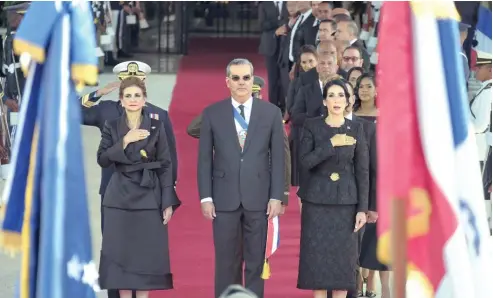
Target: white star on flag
(86,273)
(74,268)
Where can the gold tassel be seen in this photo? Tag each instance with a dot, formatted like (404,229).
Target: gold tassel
(266,270)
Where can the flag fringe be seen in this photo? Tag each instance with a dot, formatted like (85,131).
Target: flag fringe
(84,74)
(10,242)
(22,46)
(266,270)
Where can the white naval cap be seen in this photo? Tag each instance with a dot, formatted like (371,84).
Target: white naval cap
(132,69)
(483,58)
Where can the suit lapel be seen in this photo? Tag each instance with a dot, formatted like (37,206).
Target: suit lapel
(230,125)
(252,125)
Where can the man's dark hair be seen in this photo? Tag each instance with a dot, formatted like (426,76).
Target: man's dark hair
(355,48)
(332,23)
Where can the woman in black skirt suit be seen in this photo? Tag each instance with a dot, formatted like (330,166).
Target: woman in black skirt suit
(333,150)
(139,200)
(365,107)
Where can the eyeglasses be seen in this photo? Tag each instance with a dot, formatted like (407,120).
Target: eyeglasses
(352,59)
(245,78)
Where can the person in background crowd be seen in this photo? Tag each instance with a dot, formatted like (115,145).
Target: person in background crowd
(348,31)
(480,105)
(351,57)
(334,209)
(119,12)
(11,68)
(305,20)
(324,10)
(326,31)
(193,130)
(353,75)
(309,34)
(370,135)
(481,111)
(341,14)
(283,62)
(463,30)
(330,48)
(366,94)
(307,61)
(139,199)
(273,17)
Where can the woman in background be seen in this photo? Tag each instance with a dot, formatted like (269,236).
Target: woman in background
(308,60)
(365,107)
(139,198)
(353,75)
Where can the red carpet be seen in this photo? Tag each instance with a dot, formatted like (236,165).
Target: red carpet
(200,82)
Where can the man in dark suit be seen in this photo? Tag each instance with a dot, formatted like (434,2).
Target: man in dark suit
(273,17)
(193,130)
(323,13)
(348,31)
(240,177)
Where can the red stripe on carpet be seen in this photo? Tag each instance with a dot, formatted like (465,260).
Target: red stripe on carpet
(200,82)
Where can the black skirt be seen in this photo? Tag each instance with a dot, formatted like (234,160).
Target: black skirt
(328,247)
(368,257)
(135,252)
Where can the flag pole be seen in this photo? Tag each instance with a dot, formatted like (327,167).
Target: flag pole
(399,247)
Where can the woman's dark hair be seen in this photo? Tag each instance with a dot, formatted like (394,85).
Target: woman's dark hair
(306,49)
(337,82)
(357,100)
(356,68)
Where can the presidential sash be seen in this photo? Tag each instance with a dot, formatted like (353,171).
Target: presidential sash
(244,127)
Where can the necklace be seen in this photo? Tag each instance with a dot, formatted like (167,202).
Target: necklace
(334,125)
(134,124)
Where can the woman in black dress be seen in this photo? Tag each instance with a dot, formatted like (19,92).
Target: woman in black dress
(335,199)
(307,61)
(366,108)
(139,200)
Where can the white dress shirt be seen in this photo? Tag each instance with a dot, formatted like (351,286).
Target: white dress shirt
(480,116)
(301,19)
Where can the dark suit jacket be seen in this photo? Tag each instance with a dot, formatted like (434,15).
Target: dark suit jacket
(309,35)
(370,136)
(137,183)
(269,22)
(308,103)
(97,114)
(322,160)
(366,58)
(193,130)
(299,33)
(231,176)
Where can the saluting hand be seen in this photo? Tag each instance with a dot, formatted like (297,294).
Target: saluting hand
(167,215)
(108,88)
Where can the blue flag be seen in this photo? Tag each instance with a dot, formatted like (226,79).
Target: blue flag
(46,212)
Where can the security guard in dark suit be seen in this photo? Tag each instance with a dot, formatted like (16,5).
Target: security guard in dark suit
(96,114)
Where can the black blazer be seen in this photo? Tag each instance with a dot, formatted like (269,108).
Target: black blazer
(308,103)
(269,21)
(138,182)
(371,140)
(336,175)
(310,35)
(298,37)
